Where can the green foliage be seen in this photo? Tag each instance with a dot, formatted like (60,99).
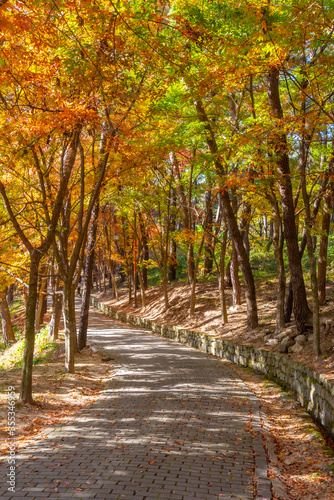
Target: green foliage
(12,357)
(262,261)
(154,276)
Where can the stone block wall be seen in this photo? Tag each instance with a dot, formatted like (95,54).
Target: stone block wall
(312,389)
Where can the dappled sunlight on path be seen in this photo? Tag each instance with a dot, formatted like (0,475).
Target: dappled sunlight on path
(174,423)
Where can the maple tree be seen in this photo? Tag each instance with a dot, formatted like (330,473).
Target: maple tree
(136,134)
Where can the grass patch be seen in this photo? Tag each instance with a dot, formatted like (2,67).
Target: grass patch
(12,357)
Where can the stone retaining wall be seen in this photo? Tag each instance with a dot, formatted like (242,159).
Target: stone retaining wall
(312,389)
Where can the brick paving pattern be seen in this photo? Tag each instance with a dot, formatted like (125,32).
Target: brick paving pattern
(174,423)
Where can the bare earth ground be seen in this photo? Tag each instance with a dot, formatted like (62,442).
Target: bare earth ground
(58,396)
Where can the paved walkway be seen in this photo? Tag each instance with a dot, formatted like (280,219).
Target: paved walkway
(174,423)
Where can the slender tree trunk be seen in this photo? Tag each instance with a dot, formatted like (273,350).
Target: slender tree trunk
(99,272)
(193,284)
(208,247)
(191,262)
(186,217)
(165,284)
(234,267)
(315,298)
(303,156)
(265,225)
(172,261)
(236,288)
(113,279)
(278,243)
(70,326)
(25,294)
(323,248)
(10,294)
(44,307)
(222,296)
(172,267)
(145,249)
(246,214)
(252,317)
(316,206)
(279,141)
(56,308)
(228,280)
(53,298)
(250,293)
(87,279)
(85,299)
(40,304)
(130,283)
(28,355)
(142,288)
(6,321)
(280,321)
(104,279)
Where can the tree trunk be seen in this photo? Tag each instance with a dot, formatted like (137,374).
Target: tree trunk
(69,325)
(130,284)
(252,317)
(85,299)
(245,219)
(228,280)
(135,259)
(323,248)
(208,247)
(28,355)
(104,279)
(172,260)
(6,321)
(142,288)
(190,263)
(145,249)
(303,157)
(186,217)
(288,307)
(250,293)
(56,308)
(316,206)
(165,285)
(99,273)
(236,288)
(87,280)
(113,279)
(280,321)
(279,141)
(278,243)
(193,284)
(40,304)
(10,294)
(315,299)
(53,299)
(172,267)
(222,297)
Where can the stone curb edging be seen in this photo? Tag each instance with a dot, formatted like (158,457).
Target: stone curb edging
(311,389)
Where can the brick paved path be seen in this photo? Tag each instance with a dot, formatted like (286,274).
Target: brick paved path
(174,423)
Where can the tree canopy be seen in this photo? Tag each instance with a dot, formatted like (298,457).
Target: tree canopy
(187,126)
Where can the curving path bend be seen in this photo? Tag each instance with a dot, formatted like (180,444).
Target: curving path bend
(174,423)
